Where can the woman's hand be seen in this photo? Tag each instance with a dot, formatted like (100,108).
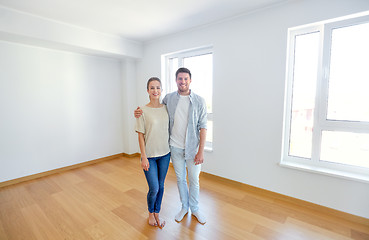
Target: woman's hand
(145,164)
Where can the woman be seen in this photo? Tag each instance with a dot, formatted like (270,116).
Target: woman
(153,136)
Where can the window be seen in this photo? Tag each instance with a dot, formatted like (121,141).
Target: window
(327,100)
(200,63)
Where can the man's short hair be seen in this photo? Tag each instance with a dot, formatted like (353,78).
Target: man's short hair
(183,70)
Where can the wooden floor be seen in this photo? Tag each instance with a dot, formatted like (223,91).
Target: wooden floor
(107,200)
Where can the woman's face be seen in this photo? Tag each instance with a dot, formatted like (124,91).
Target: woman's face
(154,90)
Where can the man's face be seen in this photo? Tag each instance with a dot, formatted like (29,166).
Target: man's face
(183,83)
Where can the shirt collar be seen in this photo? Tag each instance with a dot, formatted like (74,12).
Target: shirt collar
(191,94)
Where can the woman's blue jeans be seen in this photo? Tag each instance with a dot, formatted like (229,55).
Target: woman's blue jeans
(155,176)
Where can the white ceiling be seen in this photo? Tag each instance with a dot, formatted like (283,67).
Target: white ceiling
(139,20)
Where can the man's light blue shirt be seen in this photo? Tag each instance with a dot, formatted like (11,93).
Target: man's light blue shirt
(197,119)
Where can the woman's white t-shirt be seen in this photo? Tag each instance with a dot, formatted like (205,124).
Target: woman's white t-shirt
(154,125)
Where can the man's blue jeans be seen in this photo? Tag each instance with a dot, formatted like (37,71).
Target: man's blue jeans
(155,176)
(189,196)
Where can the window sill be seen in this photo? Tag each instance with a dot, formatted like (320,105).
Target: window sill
(361,177)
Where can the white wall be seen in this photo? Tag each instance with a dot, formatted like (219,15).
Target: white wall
(129,136)
(57,109)
(60,108)
(249,76)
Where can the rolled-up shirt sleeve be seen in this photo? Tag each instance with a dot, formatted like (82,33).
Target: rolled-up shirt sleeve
(203,116)
(140,125)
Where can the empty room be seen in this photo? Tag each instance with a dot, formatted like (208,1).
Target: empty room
(274,145)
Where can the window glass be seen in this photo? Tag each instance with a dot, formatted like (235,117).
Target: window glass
(345,148)
(348,97)
(303,94)
(201,68)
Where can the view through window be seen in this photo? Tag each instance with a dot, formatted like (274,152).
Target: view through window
(327,110)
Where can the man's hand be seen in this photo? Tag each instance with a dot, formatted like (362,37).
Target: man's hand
(138,112)
(199,158)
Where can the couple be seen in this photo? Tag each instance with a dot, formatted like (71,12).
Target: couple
(185,113)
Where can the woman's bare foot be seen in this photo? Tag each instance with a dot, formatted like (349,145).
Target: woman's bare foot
(152,220)
(160,222)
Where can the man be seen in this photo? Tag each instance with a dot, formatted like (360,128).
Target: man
(187,129)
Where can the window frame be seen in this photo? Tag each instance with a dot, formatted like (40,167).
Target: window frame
(321,123)
(167,75)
